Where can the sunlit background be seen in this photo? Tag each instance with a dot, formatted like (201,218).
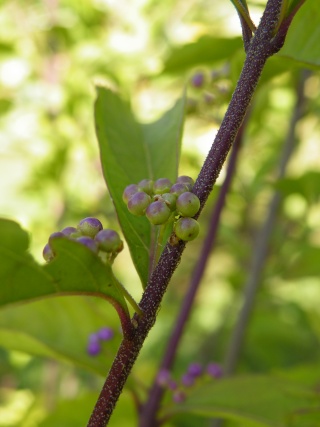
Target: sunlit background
(51,55)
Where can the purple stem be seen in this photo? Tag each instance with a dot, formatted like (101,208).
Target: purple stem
(263,45)
(150,408)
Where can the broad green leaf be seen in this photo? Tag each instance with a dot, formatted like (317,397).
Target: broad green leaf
(75,270)
(259,401)
(206,50)
(307,185)
(302,42)
(59,328)
(305,263)
(130,152)
(76,412)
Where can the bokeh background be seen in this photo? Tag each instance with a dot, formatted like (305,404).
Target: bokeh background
(52,52)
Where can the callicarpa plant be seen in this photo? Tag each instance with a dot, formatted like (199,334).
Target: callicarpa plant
(159,212)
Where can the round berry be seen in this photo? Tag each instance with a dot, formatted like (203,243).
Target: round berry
(197,80)
(170,200)
(187,229)
(138,203)
(88,242)
(187,180)
(162,185)
(146,185)
(188,204)
(109,241)
(158,212)
(89,226)
(178,189)
(94,346)
(70,232)
(55,235)
(105,334)
(128,192)
(47,253)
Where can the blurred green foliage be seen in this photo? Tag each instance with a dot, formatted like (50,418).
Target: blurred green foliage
(51,54)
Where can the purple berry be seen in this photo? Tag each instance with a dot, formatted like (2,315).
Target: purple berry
(163,377)
(128,192)
(187,380)
(162,185)
(109,241)
(93,348)
(89,226)
(146,185)
(187,229)
(179,396)
(70,231)
(47,253)
(172,385)
(55,235)
(188,204)
(138,203)
(178,188)
(105,334)
(89,243)
(214,370)
(187,180)
(197,80)
(158,212)
(194,369)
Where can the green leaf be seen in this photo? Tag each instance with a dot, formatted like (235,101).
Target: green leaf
(59,328)
(74,270)
(260,401)
(243,11)
(206,50)
(130,152)
(302,42)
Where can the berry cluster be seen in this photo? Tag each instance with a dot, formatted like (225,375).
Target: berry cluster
(95,340)
(161,201)
(195,372)
(89,232)
(210,89)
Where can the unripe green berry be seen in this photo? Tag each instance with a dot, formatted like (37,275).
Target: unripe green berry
(128,192)
(162,185)
(187,180)
(158,212)
(89,243)
(109,241)
(187,229)
(146,185)
(170,200)
(188,204)
(138,203)
(89,226)
(178,189)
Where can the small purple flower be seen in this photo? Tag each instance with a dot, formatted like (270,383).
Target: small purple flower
(197,80)
(194,369)
(163,377)
(179,396)
(187,380)
(214,370)
(105,334)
